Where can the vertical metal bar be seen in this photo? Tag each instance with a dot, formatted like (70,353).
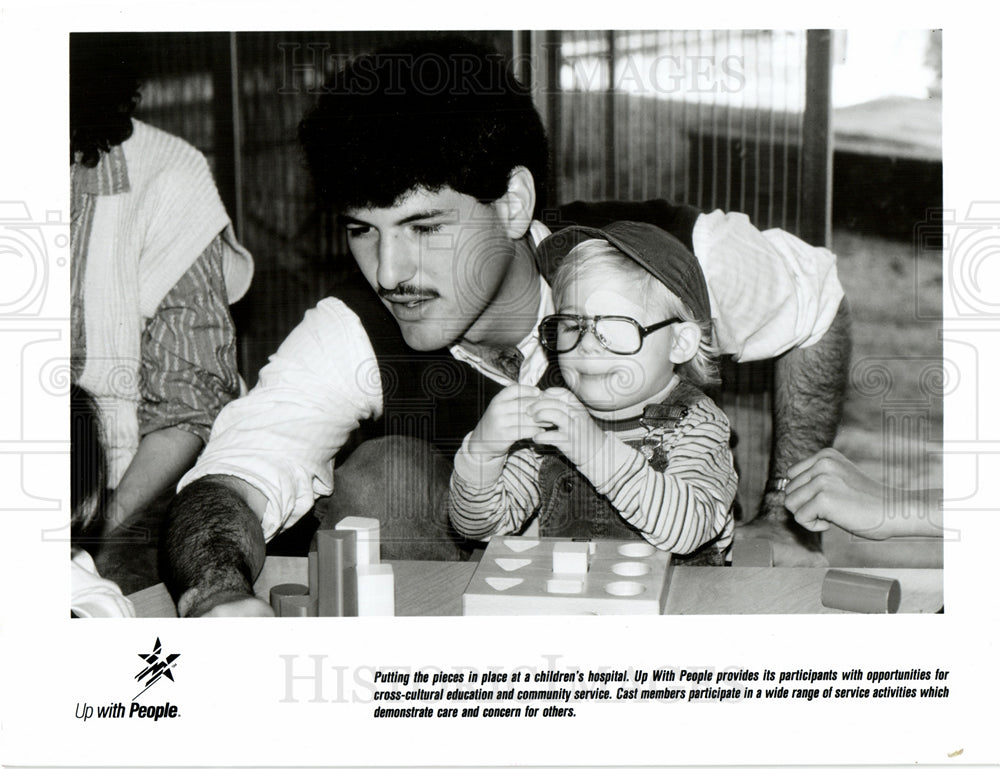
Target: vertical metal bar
(713,127)
(237,132)
(229,167)
(771,115)
(656,189)
(522,55)
(226,139)
(610,171)
(785,140)
(551,44)
(718,57)
(755,215)
(542,56)
(744,141)
(699,114)
(817,139)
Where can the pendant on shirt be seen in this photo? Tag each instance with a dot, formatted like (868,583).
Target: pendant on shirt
(650,443)
(658,419)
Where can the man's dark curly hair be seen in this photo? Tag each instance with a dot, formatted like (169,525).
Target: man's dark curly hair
(432,113)
(104,81)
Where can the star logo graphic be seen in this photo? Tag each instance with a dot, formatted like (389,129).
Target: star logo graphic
(156,668)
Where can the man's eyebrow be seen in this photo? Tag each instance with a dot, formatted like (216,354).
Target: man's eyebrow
(431,213)
(417,216)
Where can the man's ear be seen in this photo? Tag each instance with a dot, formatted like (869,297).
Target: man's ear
(687,340)
(517,206)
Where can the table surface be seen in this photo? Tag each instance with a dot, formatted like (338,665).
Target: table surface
(434,588)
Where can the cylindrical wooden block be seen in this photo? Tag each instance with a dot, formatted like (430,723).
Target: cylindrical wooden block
(864,593)
(298,605)
(280,591)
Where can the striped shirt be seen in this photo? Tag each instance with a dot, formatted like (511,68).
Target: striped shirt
(188,368)
(679,508)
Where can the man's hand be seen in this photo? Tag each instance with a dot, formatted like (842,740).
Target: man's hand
(214,546)
(573,431)
(827,488)
(240,607)
(505,422)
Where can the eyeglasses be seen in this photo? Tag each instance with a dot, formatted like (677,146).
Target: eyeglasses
(615,333)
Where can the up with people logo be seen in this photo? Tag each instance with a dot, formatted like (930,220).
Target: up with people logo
(158,666)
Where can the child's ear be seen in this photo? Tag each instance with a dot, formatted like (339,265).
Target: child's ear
(516,206)
(687,340)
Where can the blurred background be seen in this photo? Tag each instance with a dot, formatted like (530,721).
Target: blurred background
(832,135)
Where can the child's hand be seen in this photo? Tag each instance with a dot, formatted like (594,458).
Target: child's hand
(572,430)
(505,422)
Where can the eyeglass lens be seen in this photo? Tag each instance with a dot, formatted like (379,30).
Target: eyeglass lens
(617,335)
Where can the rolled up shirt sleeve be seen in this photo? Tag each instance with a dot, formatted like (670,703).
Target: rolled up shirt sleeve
(282,436)
(769,290)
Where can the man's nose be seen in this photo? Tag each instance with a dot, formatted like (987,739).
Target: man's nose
(396,262)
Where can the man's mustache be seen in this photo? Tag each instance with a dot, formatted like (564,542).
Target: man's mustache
(404,292)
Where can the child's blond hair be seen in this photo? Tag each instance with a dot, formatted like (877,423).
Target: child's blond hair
(600,260)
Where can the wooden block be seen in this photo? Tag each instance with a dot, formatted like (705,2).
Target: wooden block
(337,593)
(299,605)
(367,533)
(312,570)
(515,576)
(280,592)
(865,593)
(376,590)
(570,557)
(752,552)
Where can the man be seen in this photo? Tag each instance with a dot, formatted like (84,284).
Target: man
(433,153)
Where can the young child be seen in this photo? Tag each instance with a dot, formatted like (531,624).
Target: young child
(641,450)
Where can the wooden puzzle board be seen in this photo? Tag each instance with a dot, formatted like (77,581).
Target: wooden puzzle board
(515,576)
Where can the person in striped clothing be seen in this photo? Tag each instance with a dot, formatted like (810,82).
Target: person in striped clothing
(155,265)
(629,446)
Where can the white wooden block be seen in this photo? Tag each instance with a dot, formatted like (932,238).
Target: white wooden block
(368,542)
(376,590)
(623,577)
(570,557)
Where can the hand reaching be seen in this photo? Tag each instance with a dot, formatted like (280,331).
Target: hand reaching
(828,488)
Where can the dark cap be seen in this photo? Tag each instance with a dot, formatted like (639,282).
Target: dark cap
(654,249)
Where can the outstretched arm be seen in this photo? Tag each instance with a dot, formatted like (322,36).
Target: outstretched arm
(809,388)
(828,488)
(214,549)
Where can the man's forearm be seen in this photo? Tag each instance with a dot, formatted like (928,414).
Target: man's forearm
(809,389)
(214,546)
